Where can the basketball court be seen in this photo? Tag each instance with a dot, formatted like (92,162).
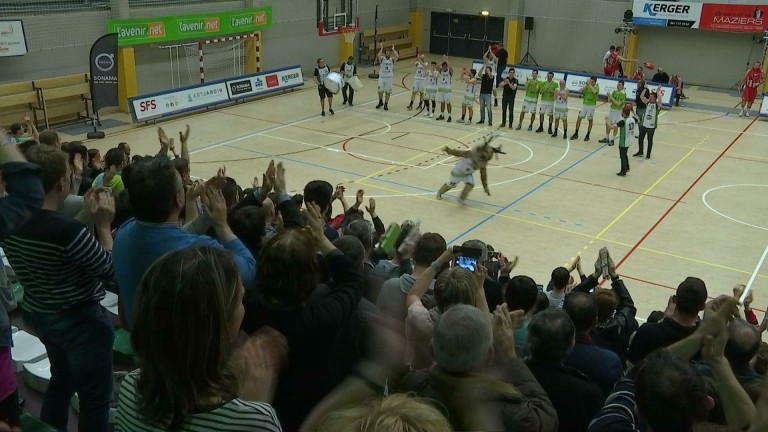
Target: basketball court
(697,207)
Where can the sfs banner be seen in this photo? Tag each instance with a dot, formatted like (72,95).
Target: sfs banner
(104,72)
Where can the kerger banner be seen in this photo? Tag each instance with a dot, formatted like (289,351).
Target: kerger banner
(104,72)
(707,16)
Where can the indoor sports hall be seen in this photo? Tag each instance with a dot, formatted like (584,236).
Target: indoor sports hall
(696,207)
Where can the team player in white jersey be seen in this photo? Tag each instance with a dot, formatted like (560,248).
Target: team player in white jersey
(387,58)
(561,109)
(431,90)
(419,81)
(444,88)
(468,76)
(490,60)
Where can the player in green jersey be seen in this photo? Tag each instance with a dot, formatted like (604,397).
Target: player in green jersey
(532,87)
(617,99)
(547,90)
(589,93)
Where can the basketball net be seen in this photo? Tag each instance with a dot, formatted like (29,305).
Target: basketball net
(349,33)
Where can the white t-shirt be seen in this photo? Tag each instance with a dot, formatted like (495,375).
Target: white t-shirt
(420,71)
(387,67)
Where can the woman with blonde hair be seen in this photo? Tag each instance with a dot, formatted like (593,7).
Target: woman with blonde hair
(395,413)
(189,309)
(454,286)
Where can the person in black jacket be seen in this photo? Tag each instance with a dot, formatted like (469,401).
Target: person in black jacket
(616,311)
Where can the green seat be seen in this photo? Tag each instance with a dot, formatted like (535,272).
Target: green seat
(32,424)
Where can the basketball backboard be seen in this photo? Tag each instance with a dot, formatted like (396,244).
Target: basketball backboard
(335,15)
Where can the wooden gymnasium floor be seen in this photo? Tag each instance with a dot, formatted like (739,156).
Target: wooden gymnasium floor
(698,207)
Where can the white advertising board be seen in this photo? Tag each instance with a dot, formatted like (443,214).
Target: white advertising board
(764,106)
(178,101)
(13,42)
(264,83)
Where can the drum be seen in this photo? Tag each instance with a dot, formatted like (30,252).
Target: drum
(355,83)
(333,82)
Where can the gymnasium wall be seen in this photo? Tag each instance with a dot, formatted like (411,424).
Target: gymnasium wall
(59,41)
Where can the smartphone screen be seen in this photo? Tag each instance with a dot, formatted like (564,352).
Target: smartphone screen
(466,262)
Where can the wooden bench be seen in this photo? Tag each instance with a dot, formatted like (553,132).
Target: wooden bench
(63,99)
(397,35)
(17,99)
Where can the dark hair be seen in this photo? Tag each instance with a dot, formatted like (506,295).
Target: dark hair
(77,147)
(691,296)
(123,146)
(560,277)
(92,153)
(620,82)
(353,248)
(535,71)
(136,158)
(232,192)
(248,224)
(550,336)
(362,231)
(761,362)
(49,137)
(319,192)
(298,199)
(593,78)
(429,248)
(743,342)
(542,302)
(114,157)
(655,316)
(154,185)
(15,128)
(279,259)
(52,163)
(613,47)
(184,305)
(123,209)
(521,292)
(606,303)
(26,145)
(671,395)
(582,308)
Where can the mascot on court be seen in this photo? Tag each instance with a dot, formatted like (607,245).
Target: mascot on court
(476,158)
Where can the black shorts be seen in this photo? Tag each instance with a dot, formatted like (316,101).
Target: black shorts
(324,92)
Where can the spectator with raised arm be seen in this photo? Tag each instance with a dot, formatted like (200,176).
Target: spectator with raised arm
(157,198)
(63,268)
(319,357)
(477,376)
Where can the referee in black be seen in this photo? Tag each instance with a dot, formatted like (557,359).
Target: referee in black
(509,86)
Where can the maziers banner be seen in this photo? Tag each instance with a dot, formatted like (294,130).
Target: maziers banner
(706,16)
(104,72)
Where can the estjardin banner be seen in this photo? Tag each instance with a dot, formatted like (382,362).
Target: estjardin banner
(707,16)
(184,27)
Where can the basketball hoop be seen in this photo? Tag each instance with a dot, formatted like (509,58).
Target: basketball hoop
(349,33)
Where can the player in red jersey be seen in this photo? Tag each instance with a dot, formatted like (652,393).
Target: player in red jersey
(612,62)
(752,80)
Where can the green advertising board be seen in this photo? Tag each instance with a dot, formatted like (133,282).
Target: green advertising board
(185,27)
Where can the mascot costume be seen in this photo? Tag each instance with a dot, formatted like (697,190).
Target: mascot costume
(476,158)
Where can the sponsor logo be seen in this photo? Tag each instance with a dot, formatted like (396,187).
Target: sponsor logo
(104,62)
(272,81)
(654,9)
(139,31)
(240,87)
(260,18)
(738,20)
(289,77)
(8,31)
(148,105)
(258,82)
(201,25)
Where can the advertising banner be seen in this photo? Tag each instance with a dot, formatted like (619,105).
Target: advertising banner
(13,41)
(576,81)
(731,17)
(706,16)
(178,101)
(764,106)
(104,72)
(198,26)
(264,83)
(522,73)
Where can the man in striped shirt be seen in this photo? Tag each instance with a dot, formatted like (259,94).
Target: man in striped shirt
(62,268)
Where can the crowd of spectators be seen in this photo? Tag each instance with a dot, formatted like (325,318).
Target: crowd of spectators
(254,309)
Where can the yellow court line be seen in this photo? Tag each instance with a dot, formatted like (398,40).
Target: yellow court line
(564,230)
(656,183)
(410,159)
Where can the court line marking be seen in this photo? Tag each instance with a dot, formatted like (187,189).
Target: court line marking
(650,188)
(684,194)
(704,200)
(748,287)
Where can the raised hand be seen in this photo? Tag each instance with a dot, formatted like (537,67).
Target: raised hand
(214,206)
(103,207)
(280,178)
(359,197)
(371,208)
(163,137)
(184,136)
(261,359)
(314,221)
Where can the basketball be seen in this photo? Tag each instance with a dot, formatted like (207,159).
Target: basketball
(649,65)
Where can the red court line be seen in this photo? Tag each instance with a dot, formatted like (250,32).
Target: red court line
(695,182)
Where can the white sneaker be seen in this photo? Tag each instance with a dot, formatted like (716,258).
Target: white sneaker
(427,114)
(741,113)
(747,115)
(431,115)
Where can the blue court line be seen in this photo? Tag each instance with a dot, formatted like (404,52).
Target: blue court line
(503,209)
(348,172)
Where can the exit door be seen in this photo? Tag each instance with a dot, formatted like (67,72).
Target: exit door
(464,35)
